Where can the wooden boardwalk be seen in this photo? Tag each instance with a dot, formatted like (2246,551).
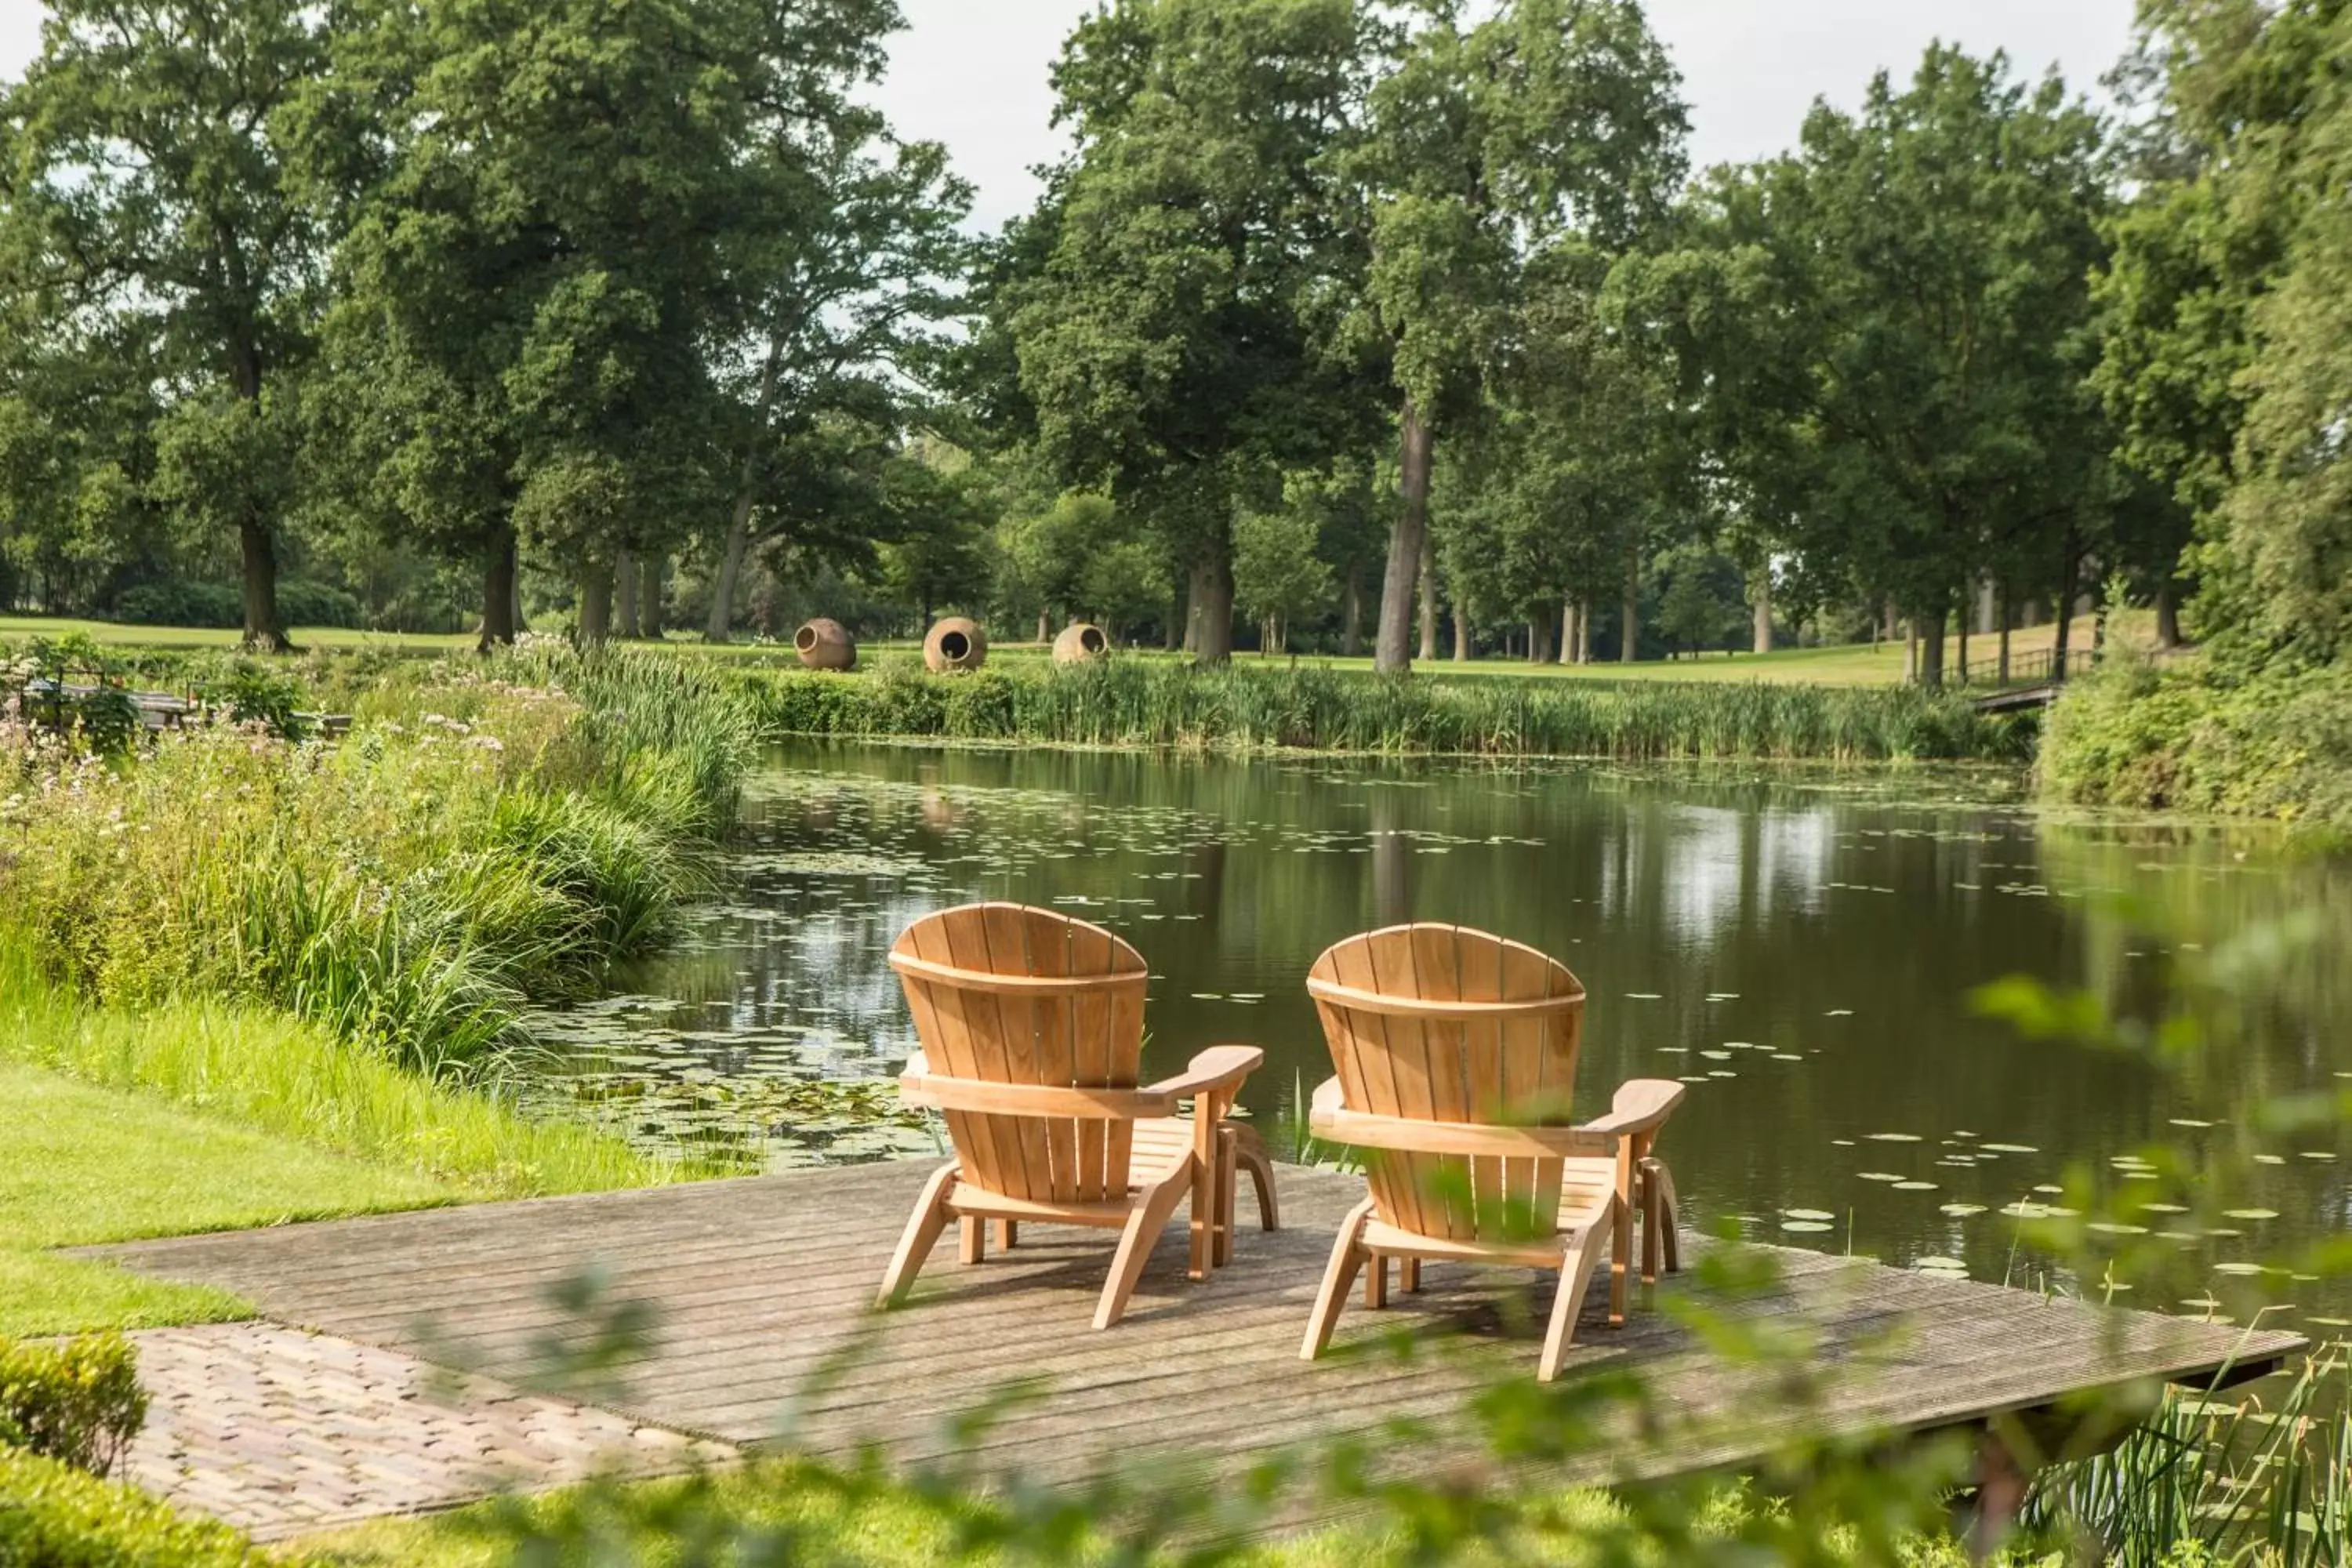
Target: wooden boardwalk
(761,1282)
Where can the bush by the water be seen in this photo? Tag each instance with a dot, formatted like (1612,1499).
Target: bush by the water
(488,832)
(54,1516)
(1138,702)
(2199,736)
(77,1402)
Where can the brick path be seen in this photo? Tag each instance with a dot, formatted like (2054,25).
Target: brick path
(279,1431)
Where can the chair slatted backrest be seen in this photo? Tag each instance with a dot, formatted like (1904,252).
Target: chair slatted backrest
(1088,1035)
(1401,1050)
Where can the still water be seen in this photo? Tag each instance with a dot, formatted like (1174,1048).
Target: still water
(1799,946)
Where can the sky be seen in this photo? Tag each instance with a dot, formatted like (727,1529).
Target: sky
(972,73)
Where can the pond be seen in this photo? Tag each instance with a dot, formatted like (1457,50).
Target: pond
(1798,946)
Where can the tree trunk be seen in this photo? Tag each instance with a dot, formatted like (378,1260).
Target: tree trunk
(1584,631)
(498,599)
(624,593)
(1174,635)
(1894,620)
(1044,626)
(263,634)
(649,595)
(1461,634)
(730,564)
(1428,592)
(2066,589)
(1210,635)
(2000,673)
(1408,541)
(595,602)
(1762,639)
(1265,635)
(1629,627)
(2167,617)
(1568,631)
(739,522)
(1931,651)
(1967,611)
(1351,626)
(1910,652)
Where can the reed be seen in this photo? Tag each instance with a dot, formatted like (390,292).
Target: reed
(2253,1482)
(490,832)
(1176,706)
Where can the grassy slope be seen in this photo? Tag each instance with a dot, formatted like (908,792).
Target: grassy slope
(1856,664)
(80,1163)
(274,1120)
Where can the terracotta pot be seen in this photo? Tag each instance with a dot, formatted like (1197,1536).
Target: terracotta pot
(955,644)
(1080,643)
(825,645)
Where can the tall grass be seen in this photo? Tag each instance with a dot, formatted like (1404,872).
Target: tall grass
(1154,703)
(488,832)
(295,1079)
(2213,1481)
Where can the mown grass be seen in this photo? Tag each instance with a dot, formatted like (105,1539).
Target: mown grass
(1133,703)
(283,1078)
(80,1163)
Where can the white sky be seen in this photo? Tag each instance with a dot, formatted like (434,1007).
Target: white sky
(972,73)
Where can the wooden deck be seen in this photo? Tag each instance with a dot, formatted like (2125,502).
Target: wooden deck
(760,1281)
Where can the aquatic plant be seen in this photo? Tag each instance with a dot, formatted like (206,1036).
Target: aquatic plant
(1159,704)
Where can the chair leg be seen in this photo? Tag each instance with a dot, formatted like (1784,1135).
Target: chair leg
(1409,1273)
(1250,1154)
(1228,1155)
(1652,1202)
(1575,1274)
(1006,1230)
(1348,1255)
(923,1230)
(1670,1213)
(1135,1243)
(1620,1233)
(974,1240)
(1376,1282)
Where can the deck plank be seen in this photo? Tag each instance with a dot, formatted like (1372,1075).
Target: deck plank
(761,1281)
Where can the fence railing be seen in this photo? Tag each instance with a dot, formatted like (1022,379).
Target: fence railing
(2026,667)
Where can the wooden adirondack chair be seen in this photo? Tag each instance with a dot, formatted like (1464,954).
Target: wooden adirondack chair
(1032,1024)
(1455,1053)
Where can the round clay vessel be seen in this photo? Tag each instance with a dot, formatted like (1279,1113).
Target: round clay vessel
(825,644)
(955,644)
(1080,643)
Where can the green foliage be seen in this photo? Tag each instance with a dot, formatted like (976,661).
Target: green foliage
(1133,702)
(54,1516)
(2202,736)
(485,835)
(1278,574)
(1889,326)
(77,1402)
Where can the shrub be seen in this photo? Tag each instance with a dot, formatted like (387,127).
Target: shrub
(180,603)
(2194,736)
(78,1402)
(54,1516)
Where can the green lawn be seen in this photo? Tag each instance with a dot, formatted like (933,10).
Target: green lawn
(82,1164)
(1855,664)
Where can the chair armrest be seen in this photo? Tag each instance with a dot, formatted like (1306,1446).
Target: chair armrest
(1219,1066)
(1641,1105)
(1331,1118)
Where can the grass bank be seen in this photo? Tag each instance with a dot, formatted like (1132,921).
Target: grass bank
(489,833)
(117,1124)
(1154,703)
